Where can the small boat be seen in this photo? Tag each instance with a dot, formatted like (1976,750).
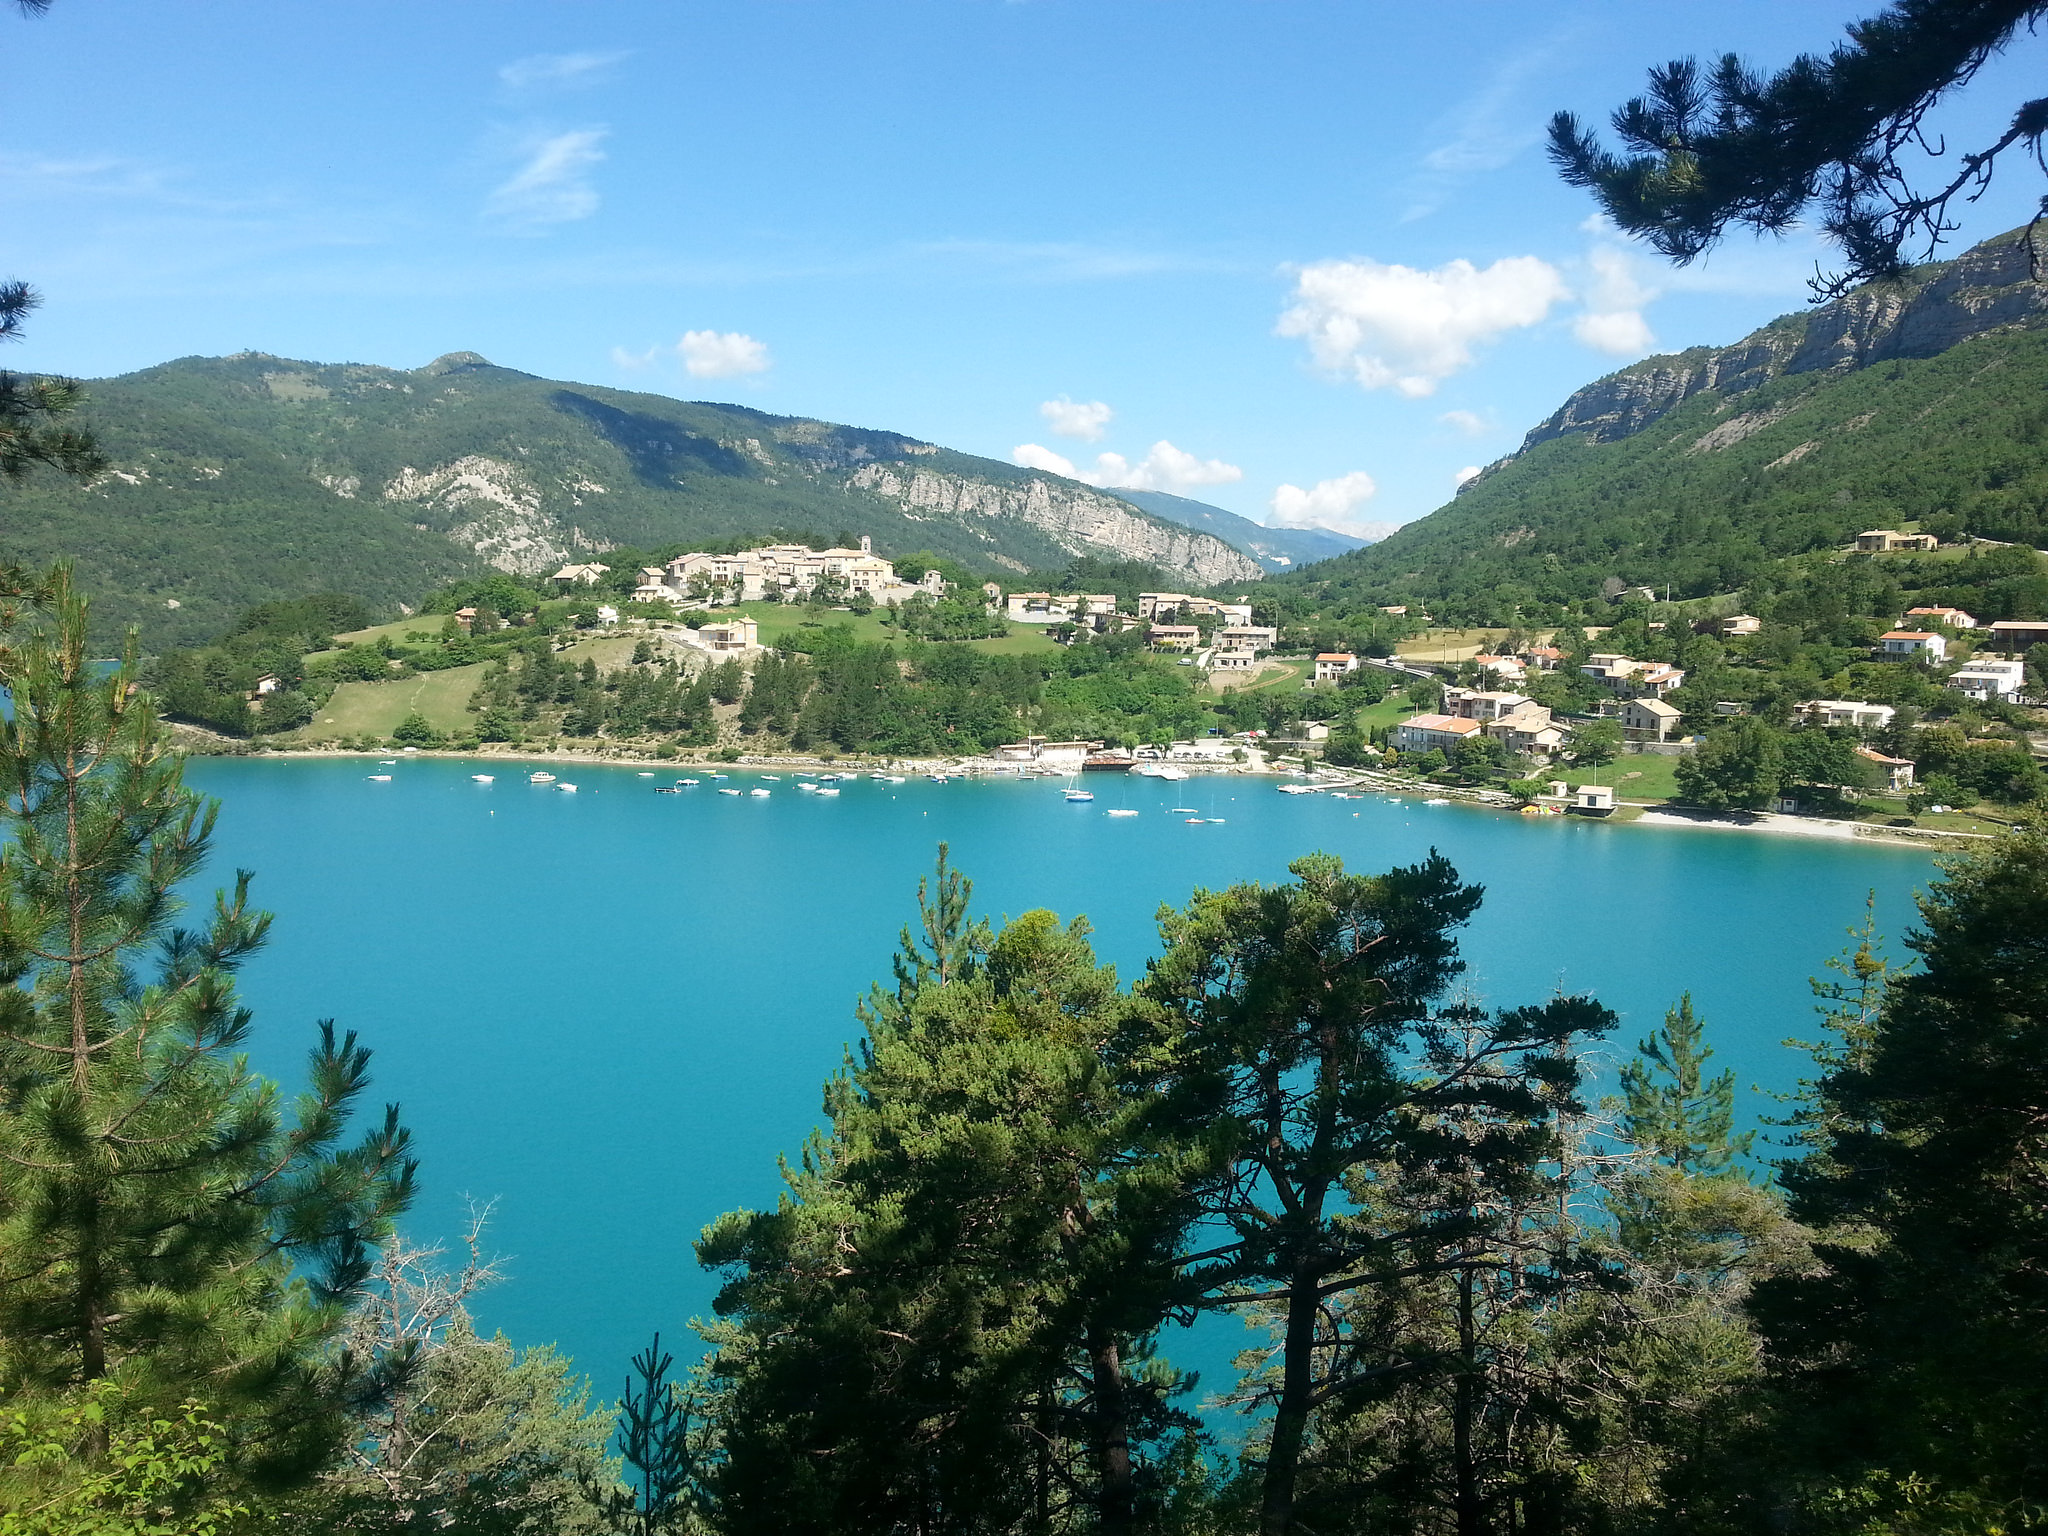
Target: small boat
(936,778)
(648,775)
(540,778)
(1296,789)
(721,775)
(387,762)
(1123,813)
(380,778)
(1194,821)
(1436,802)
(1079,796)
(897,778)
(1215,821)
(687,783)
(760,794)
(772,778)
(830,789)
(1182,810)
(728,792)
(482,778)
(811,787)
(567,789)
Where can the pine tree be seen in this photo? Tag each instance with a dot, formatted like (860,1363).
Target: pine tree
(164,1220)
(1301,1046)
(1673,1108)
(1912,1351)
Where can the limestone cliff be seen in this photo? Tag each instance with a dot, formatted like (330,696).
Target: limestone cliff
(1987,288)
(1080,520)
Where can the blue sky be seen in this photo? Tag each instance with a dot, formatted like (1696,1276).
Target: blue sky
(1303,260)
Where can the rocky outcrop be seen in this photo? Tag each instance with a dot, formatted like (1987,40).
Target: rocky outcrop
(1079,520)
(490,507)
(1985,289)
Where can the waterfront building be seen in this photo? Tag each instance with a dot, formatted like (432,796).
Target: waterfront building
(1424,733)
(1897,771)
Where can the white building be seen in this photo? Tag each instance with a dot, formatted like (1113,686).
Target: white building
(580,575)
(1913,645)
(1851,713)
(1954,618)
(730,637)
(1649,719)
(1987,677)
(1332,665)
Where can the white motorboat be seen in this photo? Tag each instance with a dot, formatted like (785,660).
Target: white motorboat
(760,794)
(1079,796)
(567,789)
(687,783)
(829,789)
(380,778)
(729,792)
(1297,789)
(643,775)
(1436,802)
(542,777)
(1123,813)
(811,787)
(482,778)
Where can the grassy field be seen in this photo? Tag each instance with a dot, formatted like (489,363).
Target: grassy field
(1391,710)
(1642,776)
(375,709)
(1275,673)
(1448,645)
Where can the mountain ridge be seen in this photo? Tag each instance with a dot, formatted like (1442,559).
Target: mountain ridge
(1277,549)
(1923,402)
(240,479)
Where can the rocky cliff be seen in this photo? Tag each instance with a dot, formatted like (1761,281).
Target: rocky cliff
(1080,520)
(1988,288)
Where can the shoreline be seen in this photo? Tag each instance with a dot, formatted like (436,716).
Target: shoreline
(1322,781)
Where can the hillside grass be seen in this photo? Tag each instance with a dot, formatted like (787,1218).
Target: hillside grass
(1634,776)
(376,709)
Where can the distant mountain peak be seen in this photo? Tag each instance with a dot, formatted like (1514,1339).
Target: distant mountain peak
(456,362)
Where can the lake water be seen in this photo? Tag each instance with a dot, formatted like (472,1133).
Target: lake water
(610,1011)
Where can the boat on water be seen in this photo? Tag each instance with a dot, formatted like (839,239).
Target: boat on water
(772,778)
(1194,821)
(1079,796)
(896,778)
(482,778)
(647,775)
(540,778)
(1436,802)
(567,789)
(1181,810)
(380,778)
(1215,821)
(1297,789)
(387,762)
(936,778)
(828,789)
(1123,813)
(1160,771)
(811,787)
(760,794)
(728,792)
(687,783)
(721,775)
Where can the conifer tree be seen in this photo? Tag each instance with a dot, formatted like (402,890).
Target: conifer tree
(1673,1108)
(1302,1047)
(1914,1352)
(164,1218)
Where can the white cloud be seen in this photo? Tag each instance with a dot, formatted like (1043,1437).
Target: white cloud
(1326,504)
(727,355)
(1612,320)
(559,70)
(1469,472)
(1164,468)
(1077,418)
(553,186)
(1394,327)
(1471,423)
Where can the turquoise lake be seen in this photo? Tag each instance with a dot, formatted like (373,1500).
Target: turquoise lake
(610,1011)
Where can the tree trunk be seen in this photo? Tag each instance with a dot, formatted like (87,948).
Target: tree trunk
(1290,1417)
(1112,1435)
(1464,1406)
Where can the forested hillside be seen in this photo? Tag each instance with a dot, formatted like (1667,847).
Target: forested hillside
(252,478)
(1277,549)
(1923,403)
